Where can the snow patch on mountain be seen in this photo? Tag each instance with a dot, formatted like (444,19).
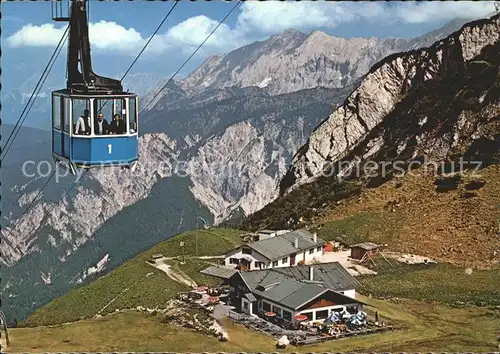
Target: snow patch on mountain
(96,269)
(265,82)
(46,278)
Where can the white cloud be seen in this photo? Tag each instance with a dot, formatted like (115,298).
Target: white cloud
(103,36)
(194,30)
(111,36)
(255,21)
(278,16)
(36,36)
(421,12)
(272,17)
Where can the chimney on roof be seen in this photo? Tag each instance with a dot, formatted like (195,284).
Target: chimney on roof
(311,273)
(315,237)
(296,242)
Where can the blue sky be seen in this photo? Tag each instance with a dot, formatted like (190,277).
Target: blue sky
(119,29)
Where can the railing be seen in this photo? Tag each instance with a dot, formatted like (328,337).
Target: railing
(235,316)
(353,333)
(60,10)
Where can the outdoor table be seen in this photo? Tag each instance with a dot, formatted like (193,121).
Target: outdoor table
(301,318)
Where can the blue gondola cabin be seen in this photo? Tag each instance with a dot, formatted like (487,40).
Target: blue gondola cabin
(80,140)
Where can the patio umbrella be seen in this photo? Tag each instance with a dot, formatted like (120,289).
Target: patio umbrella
(270,314)
(300,318)
(213,298)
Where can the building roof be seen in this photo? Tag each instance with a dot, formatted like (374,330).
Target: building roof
(331,275)
(292,288)
(294,294)
(219,272)
(282,246)
(291,293)
(368,246)
(251,297)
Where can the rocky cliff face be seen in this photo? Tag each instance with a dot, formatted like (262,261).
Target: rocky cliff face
(379,94)
(294,61)
(240,141)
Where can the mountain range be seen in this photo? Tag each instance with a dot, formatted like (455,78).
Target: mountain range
(232,126)
(434,115)
(292,61)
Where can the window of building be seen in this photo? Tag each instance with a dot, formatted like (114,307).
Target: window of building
(318,249)
(321,315)
(311,251)
(275,263)
(234,261)
(245,305)
(277,310)
(246,250)
(284,260)
(266,306)
(259,265)
(287,315)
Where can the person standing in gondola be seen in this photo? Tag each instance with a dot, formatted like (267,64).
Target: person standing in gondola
(101,126)
(117,126)
(83,124)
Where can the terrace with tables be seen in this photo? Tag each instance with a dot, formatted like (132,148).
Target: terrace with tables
(304,332)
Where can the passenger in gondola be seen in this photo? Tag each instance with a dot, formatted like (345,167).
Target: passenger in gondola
(101,126)
(117,126)
(83,124)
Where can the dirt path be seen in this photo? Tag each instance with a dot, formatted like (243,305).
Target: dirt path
(343,258)
(173,273)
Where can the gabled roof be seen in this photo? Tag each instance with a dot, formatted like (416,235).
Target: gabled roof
(250,297)
(291,288)
(291,293)
(294,294)
(281,246)
(368,246)
(219,272)
(332,275)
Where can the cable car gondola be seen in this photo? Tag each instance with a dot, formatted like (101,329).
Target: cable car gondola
(83,135)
